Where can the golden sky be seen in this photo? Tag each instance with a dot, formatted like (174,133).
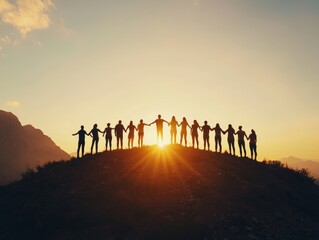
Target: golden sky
(249,63)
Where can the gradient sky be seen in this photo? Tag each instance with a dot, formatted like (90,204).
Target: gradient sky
(253,63)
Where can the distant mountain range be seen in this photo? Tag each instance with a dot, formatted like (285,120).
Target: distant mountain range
(298,163)
(23,147)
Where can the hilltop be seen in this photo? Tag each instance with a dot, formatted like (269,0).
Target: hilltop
(154,193)
(23,147)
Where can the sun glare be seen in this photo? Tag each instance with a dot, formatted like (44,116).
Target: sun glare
(161,145)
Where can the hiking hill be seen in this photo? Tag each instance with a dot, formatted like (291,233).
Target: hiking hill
(161,193)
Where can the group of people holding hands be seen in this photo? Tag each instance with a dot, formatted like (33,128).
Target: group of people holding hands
(119,130)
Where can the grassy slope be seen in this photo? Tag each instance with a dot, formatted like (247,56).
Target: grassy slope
(174,193)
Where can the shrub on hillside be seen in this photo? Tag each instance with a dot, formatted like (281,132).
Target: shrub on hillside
(303,173)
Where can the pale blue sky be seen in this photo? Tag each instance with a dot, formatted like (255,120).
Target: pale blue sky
(250,63)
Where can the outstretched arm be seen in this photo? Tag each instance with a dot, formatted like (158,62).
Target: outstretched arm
(152,123)
(89,134)
(246,135)
(74,134)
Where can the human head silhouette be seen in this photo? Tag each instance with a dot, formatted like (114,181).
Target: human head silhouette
(120,121)
(217,125)
(131,122)
(108,124)
(159,116)
(173,118)
(141,121)
(95,125)
(82,127)
(253,131)
(240,127)
(184,119)
(205,122)
(229,126)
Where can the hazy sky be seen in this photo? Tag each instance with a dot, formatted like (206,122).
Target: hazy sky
(253,63)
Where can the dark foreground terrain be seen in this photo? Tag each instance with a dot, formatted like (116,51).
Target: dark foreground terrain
(152,193)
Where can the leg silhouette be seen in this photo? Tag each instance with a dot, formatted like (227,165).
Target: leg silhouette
(83,144)
(215,144)
(121,139)
(78,151)
(92,145)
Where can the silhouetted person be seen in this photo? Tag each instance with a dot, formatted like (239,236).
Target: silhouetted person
(81,143)
(159,127)
(218,137)
(108,136)
(173,123)
(241,140)
(131,128)
(119,129)
(140,129)
(94,133)
(253,144)
(230,138)
(194,133)
(184,124)
(206,129)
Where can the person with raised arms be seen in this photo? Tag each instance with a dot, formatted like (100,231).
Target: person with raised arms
(94,133)
(159,127)
(131,127)
(81,143)
(206,129)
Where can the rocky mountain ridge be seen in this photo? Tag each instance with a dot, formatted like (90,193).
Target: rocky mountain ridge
(23,147)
